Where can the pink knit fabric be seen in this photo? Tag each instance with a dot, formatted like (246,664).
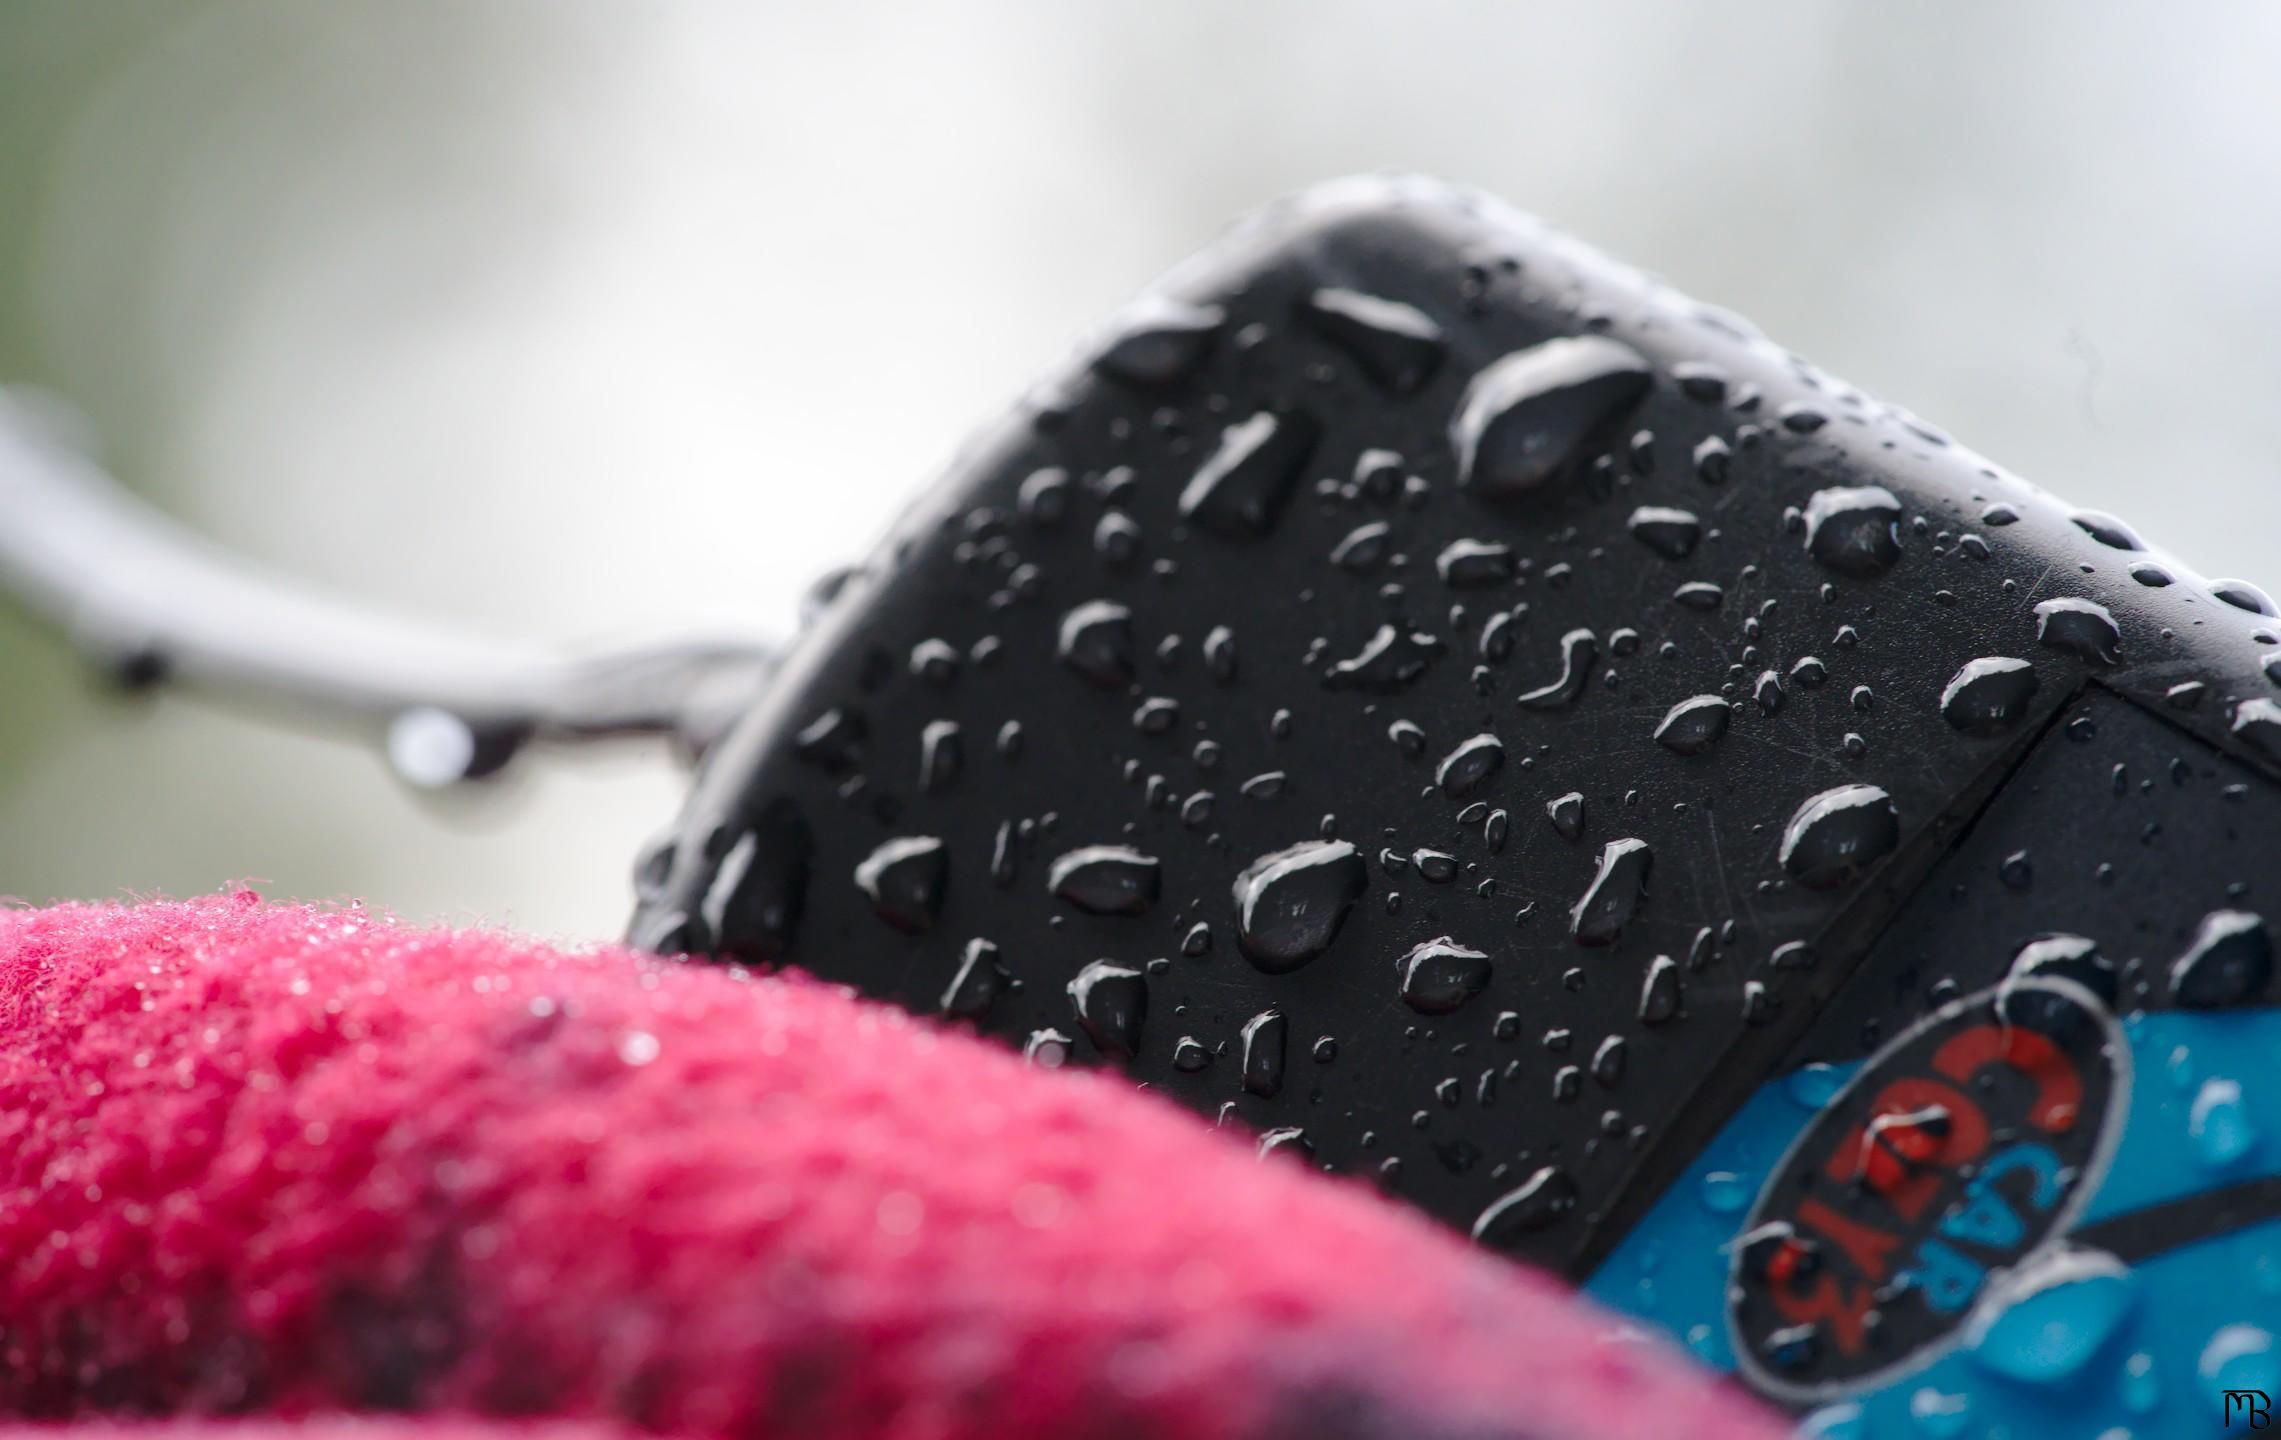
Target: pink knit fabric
(286,1160)
(321,1427)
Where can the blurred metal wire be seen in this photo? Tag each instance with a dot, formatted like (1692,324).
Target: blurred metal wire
(151,603)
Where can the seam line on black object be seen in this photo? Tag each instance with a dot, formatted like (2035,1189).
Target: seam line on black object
(2153,1230)
(1749,1061)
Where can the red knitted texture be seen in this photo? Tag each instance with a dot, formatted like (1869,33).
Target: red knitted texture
(287,1160)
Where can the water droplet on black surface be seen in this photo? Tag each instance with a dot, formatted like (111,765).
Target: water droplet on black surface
(1525,415)
(981,978)
(1112,1003)
(905,878)
(1613,897)
(1116,539)
(1470,766)
(2258,724)
(1989,695)
(1364,549)
(1673,534)
(1768,692)
(833,741)
(2243,596)
(1694,725)
(1838,834)
(1659,992)
(1853,529)
(1107,880)
(2230,962)
(1700,381)
(1578,649)
(1474,564)
(752,905)
(1240,490)
(940,756)
(2082,626)
(1535,1205)
(1220,653)
(1397,345)
(1161,342)
(1265,1038)
(2064,957)
(1096,640)
(936,662)
(1567,815)
(1045,497)
(1390,660)
(1440,975)
(1435,867)
(1290,904)
(2107,530)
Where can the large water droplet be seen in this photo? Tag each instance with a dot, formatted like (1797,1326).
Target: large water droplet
(1725,1192)
(2107,530)
(1107,880)
(1673,534)
(2229,962)
(1989,695)
(1578,649)
(1614,894)
(1536,1204)
(1524,416)
(1290,904)
(2239,1357)
(905,878)
(1838,834)
(431,748)
(753,904)
(1440,975)
(1694,725)
(1567,814)
(2064,957)
(1854,529)
(1238,492)
(1111,1001)
(1659,992)
(980,980)
(1265,1038)
(1161,341)
(2041,1322)
(1364,549)
(941,756)
(1474,564)
(833,741)
(2083,626)
(1470,766)
(2258,724)
(1390,660)
(1096,640)
(1397,345)
(2219,1125)
(2243,596)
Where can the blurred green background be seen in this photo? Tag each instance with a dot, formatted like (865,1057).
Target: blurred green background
(594,321)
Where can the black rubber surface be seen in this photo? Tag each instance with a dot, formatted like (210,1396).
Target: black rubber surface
(1436,697)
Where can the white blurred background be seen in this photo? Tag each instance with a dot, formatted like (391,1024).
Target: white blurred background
(588,320)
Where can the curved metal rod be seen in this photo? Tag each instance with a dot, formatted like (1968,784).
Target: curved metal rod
(154,604)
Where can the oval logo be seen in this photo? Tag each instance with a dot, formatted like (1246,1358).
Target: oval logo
(1959,1150)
